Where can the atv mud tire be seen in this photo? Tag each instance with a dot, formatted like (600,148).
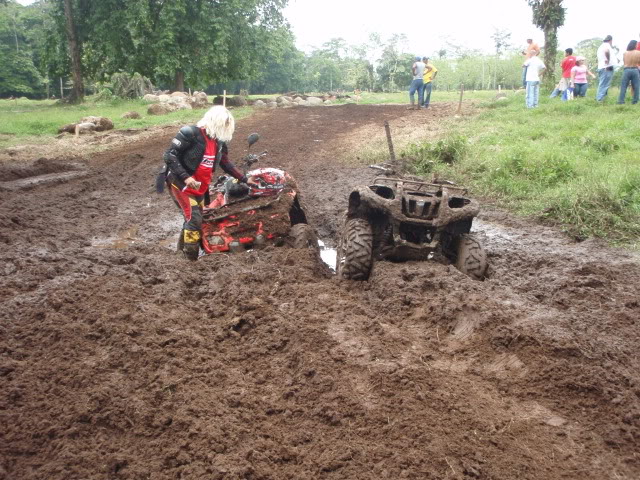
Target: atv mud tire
(471,258)
(303,236)
(355,251)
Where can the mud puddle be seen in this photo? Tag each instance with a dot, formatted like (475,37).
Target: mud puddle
(328,255)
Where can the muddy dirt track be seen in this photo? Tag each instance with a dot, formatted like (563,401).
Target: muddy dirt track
(119,360)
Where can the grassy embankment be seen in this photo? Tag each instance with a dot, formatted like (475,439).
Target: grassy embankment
(574,163)
(26,121)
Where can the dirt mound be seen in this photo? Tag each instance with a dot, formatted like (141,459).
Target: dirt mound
(120,360)
(14,171)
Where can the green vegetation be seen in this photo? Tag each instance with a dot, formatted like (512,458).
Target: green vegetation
(21,120)
(574,163)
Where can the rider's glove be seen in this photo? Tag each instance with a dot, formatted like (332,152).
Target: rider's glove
(244,179)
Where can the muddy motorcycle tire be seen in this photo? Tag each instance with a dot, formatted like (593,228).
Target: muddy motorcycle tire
(303,236)
(471,259)
(355,251)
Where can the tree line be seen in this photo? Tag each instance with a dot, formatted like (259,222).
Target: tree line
(212,45)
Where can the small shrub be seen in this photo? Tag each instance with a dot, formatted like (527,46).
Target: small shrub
(130,86)
(448,150)
(603,145)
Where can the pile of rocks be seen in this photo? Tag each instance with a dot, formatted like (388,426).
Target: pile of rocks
(287,102)
(163,104)
(88,125)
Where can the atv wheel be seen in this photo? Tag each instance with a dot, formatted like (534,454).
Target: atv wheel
(355,250)
(303,236)
(471,258)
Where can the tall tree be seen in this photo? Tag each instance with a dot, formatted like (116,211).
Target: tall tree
(77,93)
(548,15)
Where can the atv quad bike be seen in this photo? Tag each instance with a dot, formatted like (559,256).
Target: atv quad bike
(241,217)
(401,218)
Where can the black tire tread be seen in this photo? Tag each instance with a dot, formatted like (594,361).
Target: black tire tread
(303,236)
(471,257)
(355,256)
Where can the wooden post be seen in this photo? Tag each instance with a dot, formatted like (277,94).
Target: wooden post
(392,154)
(461,93)
(224,98)
(61,89)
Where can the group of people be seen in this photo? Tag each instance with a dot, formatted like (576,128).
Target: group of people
(575,73)
(424,72)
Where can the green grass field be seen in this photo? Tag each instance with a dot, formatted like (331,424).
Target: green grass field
(24,121)
(575,163)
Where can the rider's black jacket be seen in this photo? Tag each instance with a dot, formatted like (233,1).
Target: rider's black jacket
(186,152)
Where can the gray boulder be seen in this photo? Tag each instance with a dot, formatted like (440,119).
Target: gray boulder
(133,115)
(160,108)
(314,101)
(151,98)
(101,123)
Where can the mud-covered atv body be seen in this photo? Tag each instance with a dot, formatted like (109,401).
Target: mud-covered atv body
(240,217)
(405,219)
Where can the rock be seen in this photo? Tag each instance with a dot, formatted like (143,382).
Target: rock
(182,106)
(272,105)
(288,99)
(236,101)
(259,104)
(101,123)
(280,99)
(151,98)
(284,103)
(328,102)
(177,100)
(303,103)
(314,101)
(179,94)
(160,108)
(298,99)
(85,127)
(131,115)
(69,128)
(198,102)
(163,98)
(349,100)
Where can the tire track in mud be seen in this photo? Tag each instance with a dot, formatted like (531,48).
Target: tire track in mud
(120,360)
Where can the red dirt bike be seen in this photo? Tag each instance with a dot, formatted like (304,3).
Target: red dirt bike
(241,217)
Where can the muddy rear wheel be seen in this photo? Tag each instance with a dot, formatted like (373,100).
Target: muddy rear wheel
(303,236)
(471,258)
(355,250)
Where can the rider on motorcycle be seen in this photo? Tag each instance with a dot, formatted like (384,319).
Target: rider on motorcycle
(191,161)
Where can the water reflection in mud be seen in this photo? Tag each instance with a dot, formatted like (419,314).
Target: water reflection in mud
(328,255)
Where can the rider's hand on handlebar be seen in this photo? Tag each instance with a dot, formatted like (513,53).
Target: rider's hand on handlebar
(252,181)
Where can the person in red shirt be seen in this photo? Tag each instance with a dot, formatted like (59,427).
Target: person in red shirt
(564,86)
(191,161)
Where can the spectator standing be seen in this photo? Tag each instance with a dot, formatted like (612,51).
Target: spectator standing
(430,72)
(417,83)
(564,87)
(579,78)
(606,62)
(631,74)
(535,68)
(532,49)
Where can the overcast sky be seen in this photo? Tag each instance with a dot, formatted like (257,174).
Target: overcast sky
(469,22)
(428,24)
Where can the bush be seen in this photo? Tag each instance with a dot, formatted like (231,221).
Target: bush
(448,150)
(130,86)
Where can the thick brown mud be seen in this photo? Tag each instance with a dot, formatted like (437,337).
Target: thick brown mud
(120,360)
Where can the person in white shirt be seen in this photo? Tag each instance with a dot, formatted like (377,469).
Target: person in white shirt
(535,68)
(606,64)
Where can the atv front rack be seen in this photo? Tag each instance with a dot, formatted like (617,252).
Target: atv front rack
(416,185)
